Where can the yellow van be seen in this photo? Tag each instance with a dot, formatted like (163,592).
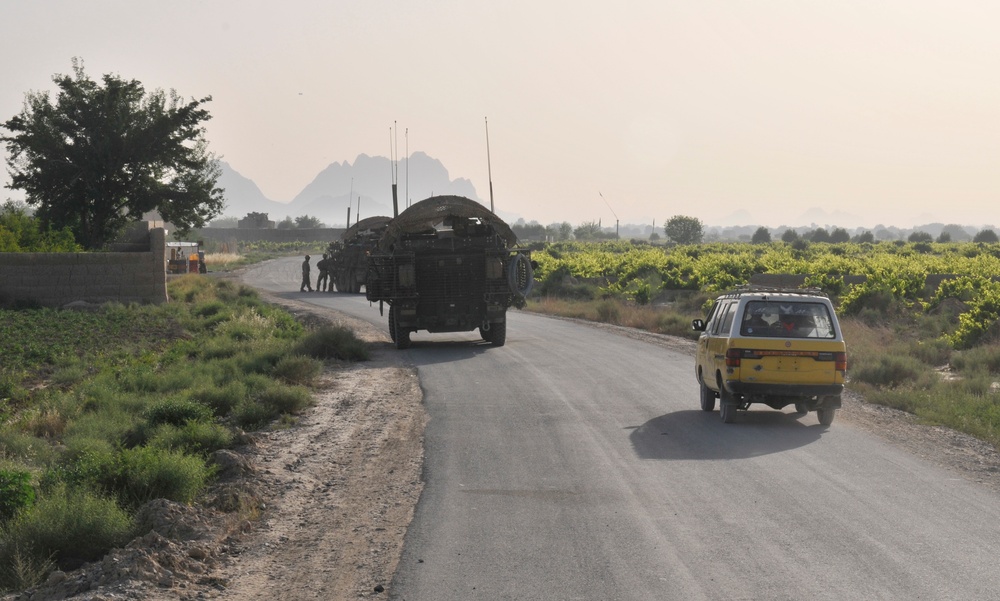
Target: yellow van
(775,347)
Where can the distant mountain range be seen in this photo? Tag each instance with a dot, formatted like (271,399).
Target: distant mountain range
(329,194)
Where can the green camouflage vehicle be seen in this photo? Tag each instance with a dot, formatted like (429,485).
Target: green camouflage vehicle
(448,264)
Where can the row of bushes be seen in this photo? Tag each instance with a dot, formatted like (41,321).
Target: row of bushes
(935,355)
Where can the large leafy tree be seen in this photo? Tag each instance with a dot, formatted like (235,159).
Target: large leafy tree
(684,230)
(102,154)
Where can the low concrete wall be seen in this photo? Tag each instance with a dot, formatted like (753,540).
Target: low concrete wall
(56,279)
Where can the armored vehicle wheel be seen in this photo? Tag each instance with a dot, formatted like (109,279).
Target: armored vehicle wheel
(399,335)
(392,320)
(707,398)
(826,416)
(801,408)
(498,333)
(486,334)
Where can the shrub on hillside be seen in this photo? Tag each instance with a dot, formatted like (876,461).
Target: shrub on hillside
(297,369)
(16,493)
(889,371)
(196,438)
(69,525)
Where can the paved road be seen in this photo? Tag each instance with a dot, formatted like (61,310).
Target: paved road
(574,463)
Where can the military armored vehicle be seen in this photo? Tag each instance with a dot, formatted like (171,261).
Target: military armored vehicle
(348,263)
(448,264)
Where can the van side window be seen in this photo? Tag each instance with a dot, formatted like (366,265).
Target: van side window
(727,320)
(712,314)
(723,317)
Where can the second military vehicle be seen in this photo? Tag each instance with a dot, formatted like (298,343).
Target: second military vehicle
(348,257)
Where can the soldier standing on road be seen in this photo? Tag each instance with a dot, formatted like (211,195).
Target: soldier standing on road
(305,276)
(323,281)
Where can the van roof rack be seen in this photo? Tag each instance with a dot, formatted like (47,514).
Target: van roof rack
(759,289)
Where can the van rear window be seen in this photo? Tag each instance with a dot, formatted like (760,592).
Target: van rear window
(776,319)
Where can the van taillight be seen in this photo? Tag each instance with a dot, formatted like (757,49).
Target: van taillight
(840,360)
(733,357)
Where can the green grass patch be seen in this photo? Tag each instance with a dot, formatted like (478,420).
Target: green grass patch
(111,408)
(332,342)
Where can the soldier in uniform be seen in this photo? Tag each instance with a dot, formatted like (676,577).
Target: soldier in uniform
(323,281)
(306,286)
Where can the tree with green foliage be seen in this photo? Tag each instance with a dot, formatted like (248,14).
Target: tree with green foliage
(986,237)
(944,238)
(956,232)
(21,232)
(761,236)
(865,237)
(529,231)
(307,222)
(839,235)
(789,236)
(684,230)
(104,153)
(287,223)
(590,230)
(818,235)
(919,236)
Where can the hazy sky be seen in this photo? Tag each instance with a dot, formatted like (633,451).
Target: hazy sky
(887,110)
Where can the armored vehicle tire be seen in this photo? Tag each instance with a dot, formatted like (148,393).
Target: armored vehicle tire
(486,334)
(707,398)
(392,320)
(498,333)
(826,416)
(399,334)
(801,408)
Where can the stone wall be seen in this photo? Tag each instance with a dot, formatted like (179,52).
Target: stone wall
(56,279)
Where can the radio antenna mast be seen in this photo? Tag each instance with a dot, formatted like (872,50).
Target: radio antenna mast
(406,169)
(489,169)
(394,171)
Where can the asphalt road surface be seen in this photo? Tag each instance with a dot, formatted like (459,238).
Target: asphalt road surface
(574,463)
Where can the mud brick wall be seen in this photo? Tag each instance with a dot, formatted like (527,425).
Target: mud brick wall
(56,279)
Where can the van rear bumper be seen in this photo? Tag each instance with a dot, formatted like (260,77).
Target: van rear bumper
(755,389)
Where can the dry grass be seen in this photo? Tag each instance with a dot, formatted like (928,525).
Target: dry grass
(650,318)
(221,259)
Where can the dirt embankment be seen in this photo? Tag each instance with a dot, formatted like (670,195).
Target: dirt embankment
(326,502)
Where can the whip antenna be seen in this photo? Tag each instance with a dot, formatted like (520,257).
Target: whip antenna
(393,171)
(489,169)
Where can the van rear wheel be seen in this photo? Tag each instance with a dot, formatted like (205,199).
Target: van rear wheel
(728,412)
(826,416)
(707,398)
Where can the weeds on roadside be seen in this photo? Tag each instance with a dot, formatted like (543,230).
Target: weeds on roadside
(142,397)
(332,342)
